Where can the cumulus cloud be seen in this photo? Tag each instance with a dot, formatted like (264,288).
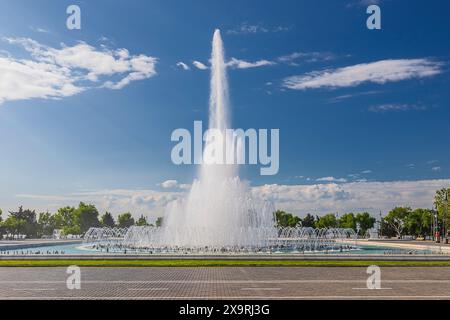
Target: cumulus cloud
(242,64)
(183,66)
(379,72)
(300,199)
(169,184)
(352,196)
(53,73)
(199,65)
(149,202)
(26,79)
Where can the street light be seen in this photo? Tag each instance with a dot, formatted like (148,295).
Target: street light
(436,226)
(445,217)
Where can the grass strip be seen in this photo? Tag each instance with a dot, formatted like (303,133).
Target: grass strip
(215,263)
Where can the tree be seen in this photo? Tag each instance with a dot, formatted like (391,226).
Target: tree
(46,223)
(309,221)
(29,227)
(14,226)
(441,202)
(396,219)
(285,219)
(107,220)
(86,216)
(142,222)
(159,221)
(327,221)
(347,221)
(418,222)
(65,218)
(125,220)
(365,222)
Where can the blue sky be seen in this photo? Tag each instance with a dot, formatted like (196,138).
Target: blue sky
(79,133)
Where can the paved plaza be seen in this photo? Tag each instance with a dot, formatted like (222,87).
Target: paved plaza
(226,283)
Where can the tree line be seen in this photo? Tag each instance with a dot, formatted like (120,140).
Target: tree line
(360,222)
(398,222)
(70,220)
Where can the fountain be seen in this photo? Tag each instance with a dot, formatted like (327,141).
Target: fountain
(219,214)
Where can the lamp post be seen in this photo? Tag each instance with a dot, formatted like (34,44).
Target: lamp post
(445,217)
(436,227)
(380,226)
(432,225)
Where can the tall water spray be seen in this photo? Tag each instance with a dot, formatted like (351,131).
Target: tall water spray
(219,213)
(219,210)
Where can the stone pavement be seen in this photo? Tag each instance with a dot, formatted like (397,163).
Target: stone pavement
(226,283)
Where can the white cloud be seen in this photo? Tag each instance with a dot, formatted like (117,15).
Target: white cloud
(436,168)
(378,72)
(331,179)
(396,107)
(307,56)
(366,171)
(147,202)
(183,65)
(199,65)
(40,30)
(242,64)
(351,197)
(169,184)
(57,73)
(26,79)
(246,28)
(300,199)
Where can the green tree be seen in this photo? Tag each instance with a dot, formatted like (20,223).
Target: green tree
(159,221)
(107,220)
(365,222)
(125,220)
(309,221)
(285,219)
(327,221)
(142,222)
(14,226)
(418,222)
(65,218)
(29,227)
(347,221)
(396,219)
(46,223)
(86,216)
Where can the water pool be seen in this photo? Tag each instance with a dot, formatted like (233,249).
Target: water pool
(85,249)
